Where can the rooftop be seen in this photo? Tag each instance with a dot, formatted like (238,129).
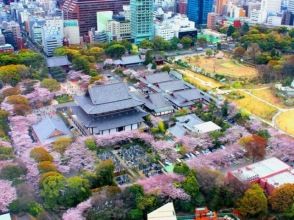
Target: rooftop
(165,212)
(172,86)
(262,169)
(49,129)
(206,127)
(57,61)
(107,98)
(158,78)
(281,178)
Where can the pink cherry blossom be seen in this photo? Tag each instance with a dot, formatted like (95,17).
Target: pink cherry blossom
(7,194)
(164,185)
(77,212)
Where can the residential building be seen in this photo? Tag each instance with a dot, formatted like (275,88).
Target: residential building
(9,38)
(85,11)
(269,173)
(274,20)
(49,129)
(198,10)
(211,20)
(219,6)
(71,31)
(141,20)
(52,35)
(119,29)
(107,109)
(287,18)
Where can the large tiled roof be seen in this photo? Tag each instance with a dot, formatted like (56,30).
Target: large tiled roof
(107,98)
(158,78)
(110,121)
(172,86)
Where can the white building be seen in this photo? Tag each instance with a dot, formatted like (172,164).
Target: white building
(171,26)
(269,7)
(52,35)
(254,16)
(102,19)
(71,31)
(274,20)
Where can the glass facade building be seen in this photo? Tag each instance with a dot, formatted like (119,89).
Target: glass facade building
(198,10)
(142,19)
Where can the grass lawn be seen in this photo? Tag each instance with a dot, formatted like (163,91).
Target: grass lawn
(285,121)
(224,66)
(199,80)
(268,94)
(255,106)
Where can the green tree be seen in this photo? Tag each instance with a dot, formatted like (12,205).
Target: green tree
(159,43)
(146,44)
(253,203)
(115,50)
(91,144)
(244,28)
(50,84)
(182,168)
(191,186)
(230,31)
(165,68)
(148,57)
(202,41)
(104,172)
(81,63)
(186,42)
(77,190)
(61,144)
(209,52)
(53,190)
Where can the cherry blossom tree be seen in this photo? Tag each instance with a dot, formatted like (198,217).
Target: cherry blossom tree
(190,142)
(7,194)
(77,212)
(164,185)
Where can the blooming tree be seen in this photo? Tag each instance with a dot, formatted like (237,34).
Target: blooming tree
(164,185)
(7,194)
(77,212)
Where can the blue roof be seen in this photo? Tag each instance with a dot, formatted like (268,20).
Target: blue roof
(49,129)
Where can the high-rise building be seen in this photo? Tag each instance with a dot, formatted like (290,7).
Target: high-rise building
(182,7)
(291,6)
(198,10)
(141,19)
(211,20)
(269,7)
(102,19)
(85,11)
(52,35)
(219,6)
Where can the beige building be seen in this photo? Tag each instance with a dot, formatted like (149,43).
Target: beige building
(71,31)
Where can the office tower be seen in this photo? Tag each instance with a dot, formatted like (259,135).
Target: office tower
(52,35)
(141,19)
(291,6)
(85,11)
(198,10)
(269,7)
(219,5)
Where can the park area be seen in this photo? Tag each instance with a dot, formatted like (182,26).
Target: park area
(285,121)
(253,105)
(224,66)
(268,94)
(200,81)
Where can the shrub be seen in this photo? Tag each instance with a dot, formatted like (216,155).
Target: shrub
(50,84)
(46,166)
(6,153)
(12,172)
(90,144)
(50,173)
(10,91)
(35,208)
(61,144)
(40,154)
(21,206)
